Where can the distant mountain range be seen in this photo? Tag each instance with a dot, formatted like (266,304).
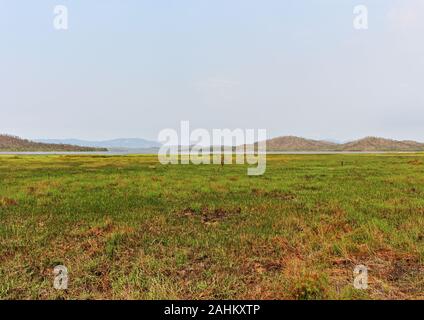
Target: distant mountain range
(12,143)
(131,143)
(291,143)
(135,145)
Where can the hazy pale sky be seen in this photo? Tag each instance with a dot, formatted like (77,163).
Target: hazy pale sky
(129,68)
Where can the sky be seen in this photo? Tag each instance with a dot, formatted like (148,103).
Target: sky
(131,68)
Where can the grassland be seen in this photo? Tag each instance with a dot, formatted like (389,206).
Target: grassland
(127,227)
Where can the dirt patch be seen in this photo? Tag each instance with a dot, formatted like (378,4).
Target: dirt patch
(257,192)
(415,162)
(264,257)
(7,202)
(413,190)
(276,194)
(216,215)
(281,195)
(210,216)
(303,187)
(404,268)
(267,266)
(103,229)
(195,266)
(32,190)
(336,225)
(188,212)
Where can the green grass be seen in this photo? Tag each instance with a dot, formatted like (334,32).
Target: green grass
(127,227)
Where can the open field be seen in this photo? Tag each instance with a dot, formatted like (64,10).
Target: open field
(128,227)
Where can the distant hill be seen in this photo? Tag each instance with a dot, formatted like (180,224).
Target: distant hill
(12,143)
(290,143)
(381,144)
(131,143)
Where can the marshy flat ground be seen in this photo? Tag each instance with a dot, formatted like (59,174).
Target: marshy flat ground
(127,227)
